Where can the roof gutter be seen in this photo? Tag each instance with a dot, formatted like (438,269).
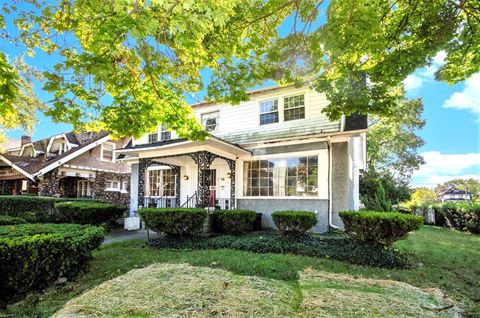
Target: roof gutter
(330,187)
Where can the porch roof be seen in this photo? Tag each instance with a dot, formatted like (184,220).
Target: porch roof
(181,146)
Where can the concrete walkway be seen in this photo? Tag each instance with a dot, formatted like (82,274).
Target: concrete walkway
(119,234)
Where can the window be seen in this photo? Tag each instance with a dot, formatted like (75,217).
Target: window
(112,185)
(269,112)
(210,121)
(294,107)
(152,138)
(282,177)
(84,188)
(165,134)
(107,151)
(161,182)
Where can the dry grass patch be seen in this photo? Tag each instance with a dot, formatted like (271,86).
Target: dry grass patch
(334,295)
(180,290)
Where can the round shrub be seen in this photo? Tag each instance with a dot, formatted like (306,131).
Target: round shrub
(11,220)
(234,221)
(294,223)
(174,221)
(84,212)
(383,228)
(33,256)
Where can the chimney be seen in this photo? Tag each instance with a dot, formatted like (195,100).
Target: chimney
(25,140)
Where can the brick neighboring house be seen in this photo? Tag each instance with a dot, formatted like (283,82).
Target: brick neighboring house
(67,165)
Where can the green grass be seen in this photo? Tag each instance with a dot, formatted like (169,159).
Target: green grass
(450,261)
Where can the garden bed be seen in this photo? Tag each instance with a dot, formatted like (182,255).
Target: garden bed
(337,247)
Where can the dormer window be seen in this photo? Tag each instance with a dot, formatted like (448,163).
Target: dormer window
(210,121)
(294,107)
(107,152)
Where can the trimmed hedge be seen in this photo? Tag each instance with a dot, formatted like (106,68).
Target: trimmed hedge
(35,209)
(174,221)
(33,256)
(11,220)
(461,216)
(292,224)
(331,246)
(96,213)
(233,221)
(379,228)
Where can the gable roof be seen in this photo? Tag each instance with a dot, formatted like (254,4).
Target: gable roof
(33,167)
(453,190)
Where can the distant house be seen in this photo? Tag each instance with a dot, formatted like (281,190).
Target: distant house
(276,151)
(66,165)
(454,194)
(11,146)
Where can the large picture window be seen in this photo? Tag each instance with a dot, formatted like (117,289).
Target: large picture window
(282,177)
(161,182)
(294,107)
(269,112)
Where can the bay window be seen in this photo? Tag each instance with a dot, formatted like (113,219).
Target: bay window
(296,176)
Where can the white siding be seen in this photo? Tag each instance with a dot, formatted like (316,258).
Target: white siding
(245,117)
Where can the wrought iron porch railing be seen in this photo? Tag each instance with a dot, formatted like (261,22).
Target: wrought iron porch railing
(160,202)
(192,201)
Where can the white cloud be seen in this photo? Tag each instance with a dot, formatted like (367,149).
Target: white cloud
(469,98)
(425,74)
(443,167)
(413,82)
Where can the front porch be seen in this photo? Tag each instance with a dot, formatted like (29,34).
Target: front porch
(182,173)
(194,179)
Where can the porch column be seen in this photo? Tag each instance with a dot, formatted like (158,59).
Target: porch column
(176,169)
(142,168)
(231,165)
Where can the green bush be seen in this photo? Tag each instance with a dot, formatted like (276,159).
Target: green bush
(33,208)
(293,224)
(234,221)
(327,246)
(96,213)
(174,221)
(33,256)
(382,228)
(461,216)
(11,220)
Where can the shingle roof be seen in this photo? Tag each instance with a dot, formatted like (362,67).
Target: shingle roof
(32,165)
(10,143)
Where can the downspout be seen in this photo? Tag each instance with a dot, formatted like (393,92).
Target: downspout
(330,178)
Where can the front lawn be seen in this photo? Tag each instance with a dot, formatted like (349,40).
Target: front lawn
(450,261)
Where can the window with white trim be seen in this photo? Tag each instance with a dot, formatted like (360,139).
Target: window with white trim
(107,151)
(294,107)
(125,186)
(269,112)
(112,185)
(84,188)
(210,121)
(165,134)
(62,148)
(161,182)
(152,138)
(297,176)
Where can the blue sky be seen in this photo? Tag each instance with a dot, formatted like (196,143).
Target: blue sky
(452,132)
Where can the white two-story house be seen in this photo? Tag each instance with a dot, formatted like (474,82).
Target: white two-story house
(275,152)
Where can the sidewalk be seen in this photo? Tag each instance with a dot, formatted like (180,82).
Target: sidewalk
(119,234)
